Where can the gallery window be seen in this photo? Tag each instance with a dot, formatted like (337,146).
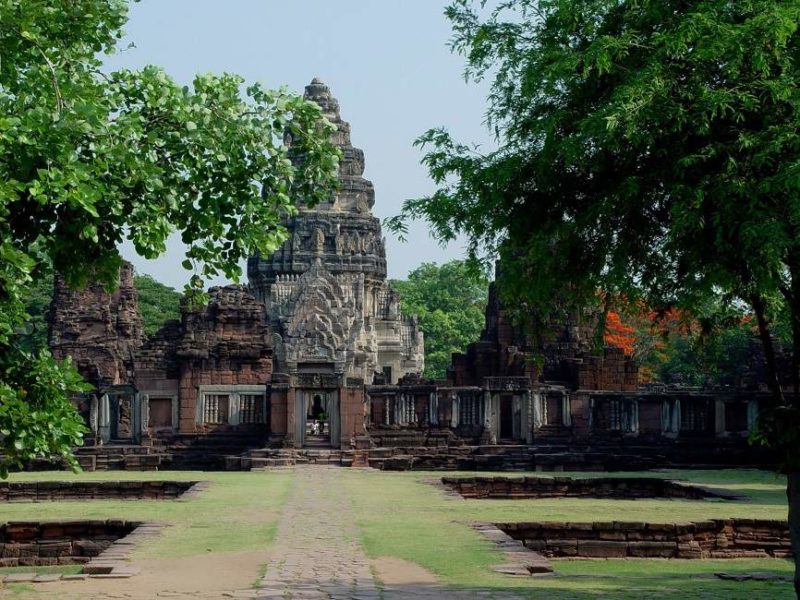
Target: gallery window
(232,405)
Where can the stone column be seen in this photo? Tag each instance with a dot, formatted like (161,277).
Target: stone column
(175,412)
(495,416)
(386,407)
(526,422)
(455,411)
(719,417)
(538,416)
(566,411)
(144,411)
(752,415)
(486,402)
(634,415)
(291,417)
(104,419)
(433,404)
(93,414)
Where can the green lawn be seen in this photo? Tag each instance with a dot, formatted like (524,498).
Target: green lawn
(404,515)
(238,512)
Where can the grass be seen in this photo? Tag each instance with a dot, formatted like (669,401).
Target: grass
(238,512)
(60,569)
(403,515)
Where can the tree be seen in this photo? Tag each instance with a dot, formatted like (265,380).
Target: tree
(648,149)
(619,334)
(158,303)
(450,300)
(88,158)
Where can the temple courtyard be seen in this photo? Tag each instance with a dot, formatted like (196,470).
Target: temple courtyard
(327,532)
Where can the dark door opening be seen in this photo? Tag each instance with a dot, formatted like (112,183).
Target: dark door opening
(318,425)
(506,417)
(160,414)
(121,416)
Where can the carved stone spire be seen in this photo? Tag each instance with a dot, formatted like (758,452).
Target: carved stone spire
(356,194)
(325,289)
(342,232)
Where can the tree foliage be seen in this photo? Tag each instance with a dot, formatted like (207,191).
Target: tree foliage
(157,302)
(647,148)
(450,300)
(89,158)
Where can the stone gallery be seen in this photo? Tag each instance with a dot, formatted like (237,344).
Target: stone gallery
(316,354)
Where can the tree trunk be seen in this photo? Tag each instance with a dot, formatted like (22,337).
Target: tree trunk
(793,496)
(760,308)
(793,475)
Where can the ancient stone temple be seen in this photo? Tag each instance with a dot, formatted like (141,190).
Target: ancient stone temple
(315,360)
(335,321)
(330,308)
(289,357)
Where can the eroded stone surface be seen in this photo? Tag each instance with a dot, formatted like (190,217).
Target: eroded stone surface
(325,289)
(317,553)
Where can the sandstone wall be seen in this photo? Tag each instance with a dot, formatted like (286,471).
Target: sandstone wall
(226,342)
(565,487)
(73,542)
(100,330)
(719,538)
(40,491)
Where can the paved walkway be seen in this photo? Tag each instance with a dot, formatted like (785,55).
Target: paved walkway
(317,553)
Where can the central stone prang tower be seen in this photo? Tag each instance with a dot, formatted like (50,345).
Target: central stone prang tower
(330,308)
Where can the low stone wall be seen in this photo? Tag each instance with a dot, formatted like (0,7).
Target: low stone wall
(28,543)
(718,538)
(623,488)
(42,491)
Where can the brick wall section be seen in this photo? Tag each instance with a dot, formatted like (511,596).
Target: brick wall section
(74,542)
(650,416)
(579,411)
(719,538)
(352,414)
(37,491)
(226,342)
(99,330)
(613,371)
(567,487)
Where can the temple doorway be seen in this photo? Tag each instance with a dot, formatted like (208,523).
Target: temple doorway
(118,419)
(318,427)
(317,418)
(506,417)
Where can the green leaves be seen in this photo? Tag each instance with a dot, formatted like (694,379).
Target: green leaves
(449,300)
(645,148)
(88,159)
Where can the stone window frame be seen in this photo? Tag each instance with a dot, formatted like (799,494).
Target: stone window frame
(620,414)
(670,416)
(697,416)
(234,393)
(145,407)
(623,415)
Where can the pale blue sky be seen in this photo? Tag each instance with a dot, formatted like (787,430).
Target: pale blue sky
(387,62)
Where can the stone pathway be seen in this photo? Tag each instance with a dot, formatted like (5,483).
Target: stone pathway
(317,553)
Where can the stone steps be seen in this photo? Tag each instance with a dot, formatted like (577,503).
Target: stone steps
(270,458)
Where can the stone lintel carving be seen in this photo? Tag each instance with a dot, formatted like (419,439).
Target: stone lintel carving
(316,380)
(510,384)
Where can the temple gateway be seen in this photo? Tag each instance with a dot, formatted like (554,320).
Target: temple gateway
(315,361)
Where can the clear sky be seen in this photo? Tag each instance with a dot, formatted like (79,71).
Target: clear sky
(387,61)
